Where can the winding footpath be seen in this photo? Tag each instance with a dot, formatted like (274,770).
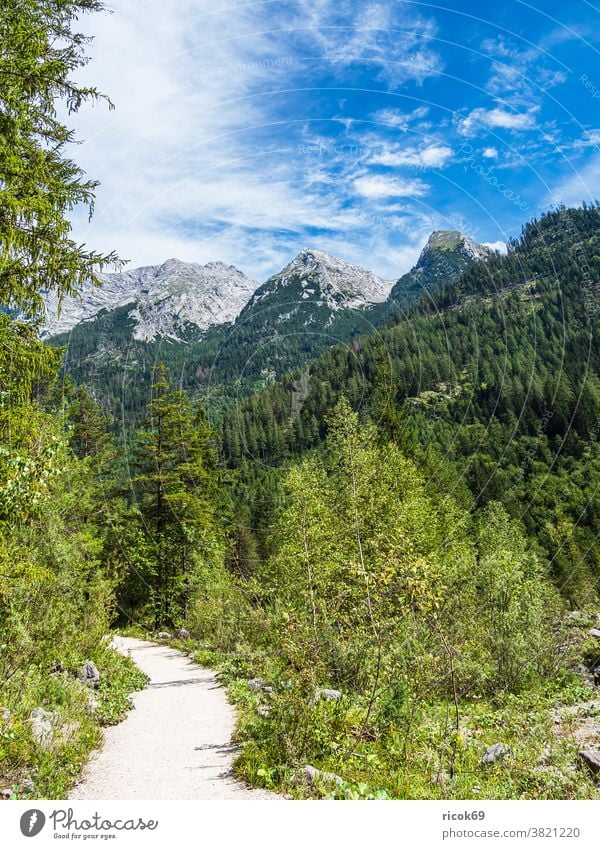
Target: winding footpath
(175,743)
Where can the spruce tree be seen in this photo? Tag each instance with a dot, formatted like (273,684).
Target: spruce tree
(175,482)
(39,184)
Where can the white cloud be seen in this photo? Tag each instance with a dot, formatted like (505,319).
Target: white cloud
(490,153)
(591,138)
(378,186)
(400,120)
(389,35)
(428,156)
(521,77)
(497,118)
(188,162)
(496,246)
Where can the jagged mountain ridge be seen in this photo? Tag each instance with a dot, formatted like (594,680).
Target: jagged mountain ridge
(179,301)
(313,304)
(166,300)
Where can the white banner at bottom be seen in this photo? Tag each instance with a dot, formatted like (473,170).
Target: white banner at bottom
(266,824)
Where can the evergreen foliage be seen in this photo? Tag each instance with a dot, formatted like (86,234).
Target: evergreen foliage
(39,184)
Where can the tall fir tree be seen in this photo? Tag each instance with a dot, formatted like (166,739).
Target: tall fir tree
(175,485)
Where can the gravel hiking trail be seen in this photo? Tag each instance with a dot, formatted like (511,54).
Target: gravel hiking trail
(175,743)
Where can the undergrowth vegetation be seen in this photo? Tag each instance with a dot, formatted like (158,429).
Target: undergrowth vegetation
(390,639)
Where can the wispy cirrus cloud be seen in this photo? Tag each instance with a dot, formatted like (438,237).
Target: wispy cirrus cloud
(380,186)
(243,132)
(425,156)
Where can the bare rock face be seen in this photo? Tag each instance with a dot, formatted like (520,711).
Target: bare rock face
(165,299)
(328,281)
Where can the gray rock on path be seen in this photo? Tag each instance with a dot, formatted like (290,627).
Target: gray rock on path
(494,753)
(89,674)
(591,758)
(164,635)
(42,726)
(182,634)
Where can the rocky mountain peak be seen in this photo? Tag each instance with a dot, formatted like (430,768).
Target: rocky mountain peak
(326,277)
(454,240)
(165,299)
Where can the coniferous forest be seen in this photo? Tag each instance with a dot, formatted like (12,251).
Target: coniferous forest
(397,542)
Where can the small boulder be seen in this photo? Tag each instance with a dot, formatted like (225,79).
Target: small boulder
(6,794)
(259,684)
(591,758)
(314,776)
(326,695)
(89,674)
(41,722)
(182,634)
(92,706)
(164,635)
(595,632)
(494,753)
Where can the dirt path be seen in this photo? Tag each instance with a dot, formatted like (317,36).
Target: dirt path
(175,744)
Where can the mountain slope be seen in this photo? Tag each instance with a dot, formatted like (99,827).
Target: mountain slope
(314,303)
(443,259)
(494,381)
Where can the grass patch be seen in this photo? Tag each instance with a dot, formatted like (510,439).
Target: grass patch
(30,769)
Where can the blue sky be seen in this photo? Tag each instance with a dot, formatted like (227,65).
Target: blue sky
(243,132)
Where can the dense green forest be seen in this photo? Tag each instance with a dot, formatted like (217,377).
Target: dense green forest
(492,384)
(397,545)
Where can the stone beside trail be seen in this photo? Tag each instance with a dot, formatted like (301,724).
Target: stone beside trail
(175,743)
